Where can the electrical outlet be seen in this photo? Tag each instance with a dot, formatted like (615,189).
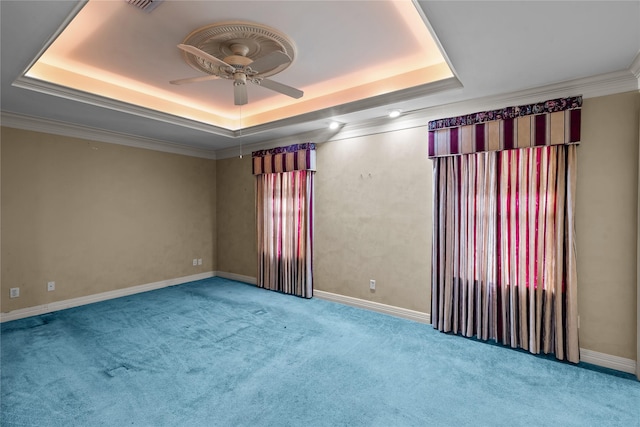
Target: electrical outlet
(372,285)
(14,292)
(199,261)
(51,286)
(195,261)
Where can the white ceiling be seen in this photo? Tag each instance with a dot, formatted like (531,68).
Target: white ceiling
(495,48)
(113,49)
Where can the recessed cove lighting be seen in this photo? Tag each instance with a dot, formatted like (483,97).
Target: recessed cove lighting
(334,125)
(394,113)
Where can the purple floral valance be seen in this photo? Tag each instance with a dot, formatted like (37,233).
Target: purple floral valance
(552,122)
(285,159)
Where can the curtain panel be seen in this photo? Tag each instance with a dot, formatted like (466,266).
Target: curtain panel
(284,218)
(503,255)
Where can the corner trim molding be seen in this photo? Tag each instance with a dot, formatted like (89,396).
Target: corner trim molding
(404,313)
(102,296)
(36,124)
(608,361)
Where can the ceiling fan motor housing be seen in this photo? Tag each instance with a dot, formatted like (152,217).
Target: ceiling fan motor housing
(238,44)
(240,51)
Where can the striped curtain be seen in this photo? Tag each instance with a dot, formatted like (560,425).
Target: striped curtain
(504,260)
(284,218)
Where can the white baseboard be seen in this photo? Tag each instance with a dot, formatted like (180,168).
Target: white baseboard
(404,313)
(342,299)
(608,361)
(588,356)
(75,302)
(237,277)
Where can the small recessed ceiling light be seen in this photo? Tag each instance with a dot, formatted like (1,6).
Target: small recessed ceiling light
(394,113)
(334,125)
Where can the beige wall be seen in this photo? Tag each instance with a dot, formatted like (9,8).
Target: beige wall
(236,223)
(96,217)
(95,220)
(373,218)
(373,210)
(606,224)
(368,222)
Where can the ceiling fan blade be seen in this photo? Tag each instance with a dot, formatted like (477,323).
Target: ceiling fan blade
(193,80)
(240,94)
(282,88)
(204,55)
(269,61)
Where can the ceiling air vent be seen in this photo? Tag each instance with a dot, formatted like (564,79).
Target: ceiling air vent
(146,5)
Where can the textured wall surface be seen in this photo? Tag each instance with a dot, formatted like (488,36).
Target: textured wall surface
(373,218)
(96,217)
(236,216)
(606,224)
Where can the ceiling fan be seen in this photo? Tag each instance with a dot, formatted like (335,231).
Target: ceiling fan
(241,69)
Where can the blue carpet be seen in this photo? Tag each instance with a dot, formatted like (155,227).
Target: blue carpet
(220,353)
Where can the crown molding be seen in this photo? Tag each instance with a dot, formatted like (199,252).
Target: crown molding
(355,129)
(316,136)
(434,36)
(47,88)
(408,94)
(635,67)
(588,87)
(37,124)
(70,17)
